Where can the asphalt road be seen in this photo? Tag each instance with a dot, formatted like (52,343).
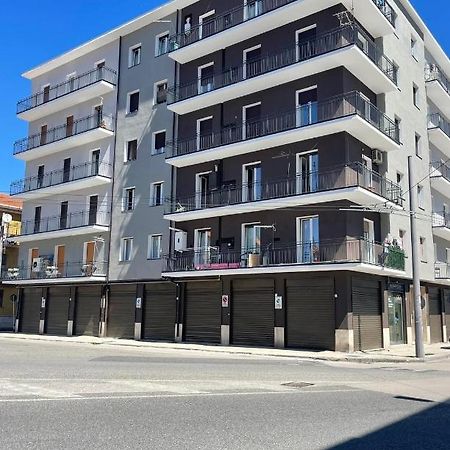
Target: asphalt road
(76,396)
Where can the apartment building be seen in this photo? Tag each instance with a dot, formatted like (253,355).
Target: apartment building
(259,186)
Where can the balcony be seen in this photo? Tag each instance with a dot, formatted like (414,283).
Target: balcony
(344,254)
(70,224)
(83,176)
(441,224)
(439,133)
(350,113)
(440,178)
(90,85)
(438,88)
(346,46)
(57,273)
(260,16)
(83,131)
(441,271)
(352,182)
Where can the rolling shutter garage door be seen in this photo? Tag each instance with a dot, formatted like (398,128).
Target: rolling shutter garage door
(30,310)
(310,313)
(160,311)
(434,300)
(367,323)
(202,319)
(57,310)
(122,311)
(252,304)
(87,310)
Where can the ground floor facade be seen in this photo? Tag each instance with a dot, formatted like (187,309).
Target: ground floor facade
(331,310)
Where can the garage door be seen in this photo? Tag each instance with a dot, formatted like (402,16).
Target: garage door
(30,310)
(367,322)
(57,310)
(202,319)
(87,310)
(160,311)
(122,311)
(434,301)
(310,313)
(252,304)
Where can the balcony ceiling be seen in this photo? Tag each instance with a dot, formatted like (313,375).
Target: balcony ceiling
(439,96)
(80,231)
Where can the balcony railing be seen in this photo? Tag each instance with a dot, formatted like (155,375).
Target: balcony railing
(65,222)
(341,106)
(434,73)
(48,270)
(67,87)
(304,50)
(442,270)
(441,219)
(244,13)
(349,175)
(439,169)
(309,253)
(57,177)
(437,121)
(65,131)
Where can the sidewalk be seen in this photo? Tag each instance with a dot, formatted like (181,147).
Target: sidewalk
(397,354)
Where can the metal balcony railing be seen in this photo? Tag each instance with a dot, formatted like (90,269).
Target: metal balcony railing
(435,120)
(61,176)
(345,105)
(67,87)
(439,169)
(65,131)
(434,73)
(48,270)
(441,219)
(303,50)
(345,176)
(308,253)
(441,270)
(65,222)
(248,11)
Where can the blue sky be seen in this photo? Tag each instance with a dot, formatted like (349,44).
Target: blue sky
(34,31)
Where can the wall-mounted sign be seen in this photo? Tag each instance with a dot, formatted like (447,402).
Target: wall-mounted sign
(139,303)
(42,302)
(278,301)
(225,301)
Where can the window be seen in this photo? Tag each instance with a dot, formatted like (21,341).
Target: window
(126,249)
(413,48)
(308,239)
(399,178)
(418,145)
(415,95)
(131,150)
(162,44)
(401,238)
(161,92)
(154,246)
(134,57)
(128,199)
(206,24)
(420,197)
(422,249)
(133,102)
(159,142)
(156,194)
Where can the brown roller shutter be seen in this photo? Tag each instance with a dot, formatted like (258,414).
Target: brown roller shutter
(252,304)
(435,311)
(30,309)
(160,311)
(57,310)
(310,308)
(367,321)
(203,312)
(87,310)
(121,311)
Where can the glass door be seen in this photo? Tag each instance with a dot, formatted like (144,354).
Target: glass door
(308,240)
(251,186)
(369,242)
(396,318)
(201,190)
(252,239)
(367,169)
(307,173)
(307,112)
(253,9)
(203,247)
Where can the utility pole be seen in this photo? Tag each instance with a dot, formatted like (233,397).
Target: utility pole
(420,351)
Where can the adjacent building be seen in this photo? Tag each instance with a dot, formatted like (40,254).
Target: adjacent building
(255,186)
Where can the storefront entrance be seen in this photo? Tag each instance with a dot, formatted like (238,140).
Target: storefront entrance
(396,317)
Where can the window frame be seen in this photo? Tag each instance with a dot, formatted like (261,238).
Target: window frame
(150,255)
(125,209)
(129,94)
(157,41)
(153,187)
(131,55)
(130,240)
(154,150)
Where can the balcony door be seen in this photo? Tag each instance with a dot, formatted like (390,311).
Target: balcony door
(369,242)
(206,78)
(368,171)
(252,8)
(95,162)
(202,246)
(206,24)
(60,258)
(204,133)
(46,93)
(63,214)
(37,219)
(251,121)
(252,64)
(307,179)
(308,240)
(40,176)
(201,189)
(251,239)
(69,126)
(93,209)
(43,135)
(306,101)
(305,42)
(66,170)
(251,182)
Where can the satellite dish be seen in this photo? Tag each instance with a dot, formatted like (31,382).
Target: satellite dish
(7,218)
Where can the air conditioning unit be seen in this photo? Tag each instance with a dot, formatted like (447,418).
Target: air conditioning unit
(37,264)
(180,241)
(377,156)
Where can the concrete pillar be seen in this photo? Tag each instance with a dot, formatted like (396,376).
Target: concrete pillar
(181,288)
(279,331)
(71,313)
(344,339)
(18,310)
(385,315)
(102,326)
(139,304)
(44,297)
(226,311)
